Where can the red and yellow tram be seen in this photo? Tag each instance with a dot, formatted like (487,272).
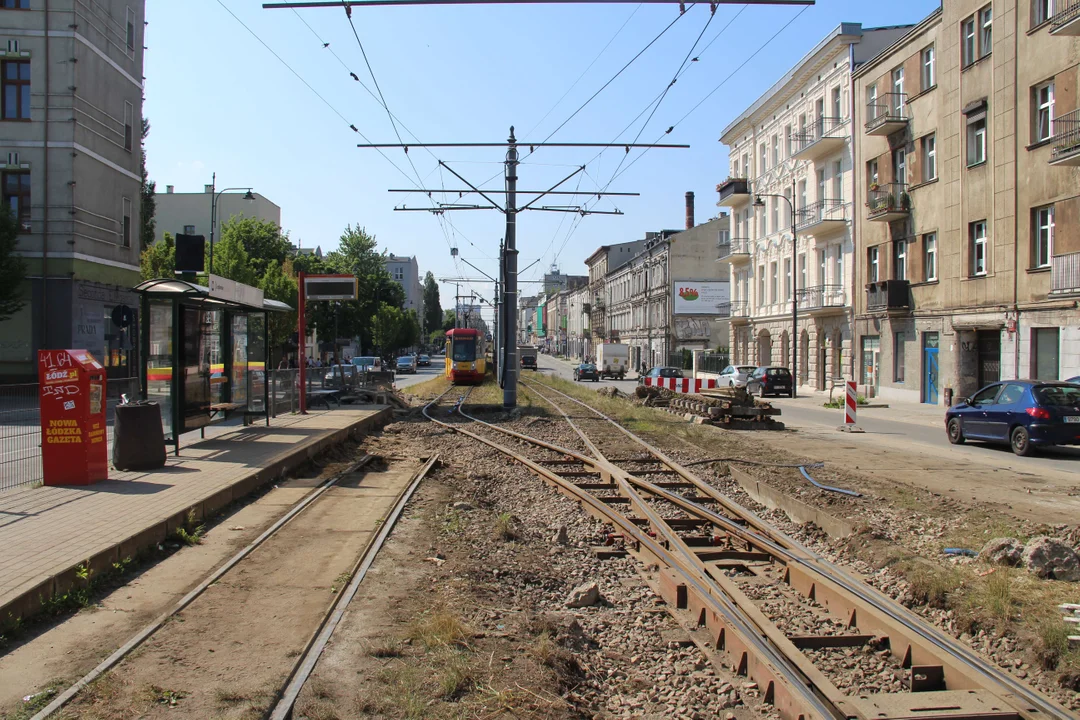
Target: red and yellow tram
(465,361)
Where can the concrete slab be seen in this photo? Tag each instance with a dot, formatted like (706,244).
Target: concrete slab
(47,532)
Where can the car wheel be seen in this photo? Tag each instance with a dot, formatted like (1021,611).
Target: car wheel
(955,431)
(1020,441)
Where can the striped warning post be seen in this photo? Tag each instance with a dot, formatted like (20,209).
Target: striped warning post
(851,402)
(680,385)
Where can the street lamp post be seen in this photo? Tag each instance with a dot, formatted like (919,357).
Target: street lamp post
(759,203)
(213,213)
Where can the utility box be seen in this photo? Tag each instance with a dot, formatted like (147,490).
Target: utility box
(72,400)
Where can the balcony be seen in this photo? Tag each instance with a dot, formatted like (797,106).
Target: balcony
(892,296)
(822,299)
(823,137)
(740,311)
(887,114)
(1066,140)
(822,217)
(1066,21)
(738,251)
(734,192)
(1065,274)
(888,202)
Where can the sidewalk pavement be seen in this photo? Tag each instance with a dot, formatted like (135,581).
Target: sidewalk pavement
(906,412)
(48,532)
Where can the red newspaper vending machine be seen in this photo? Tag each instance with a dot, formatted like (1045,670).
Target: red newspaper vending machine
(72,398)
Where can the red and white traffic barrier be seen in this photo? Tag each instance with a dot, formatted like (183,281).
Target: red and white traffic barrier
(680,385)
(851,403)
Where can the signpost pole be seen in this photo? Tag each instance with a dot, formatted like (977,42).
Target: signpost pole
(302,360)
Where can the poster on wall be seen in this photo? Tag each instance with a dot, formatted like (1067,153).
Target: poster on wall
(705,297)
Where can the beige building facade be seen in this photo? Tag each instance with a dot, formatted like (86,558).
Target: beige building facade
(791,190)
(189,213)
(967,239)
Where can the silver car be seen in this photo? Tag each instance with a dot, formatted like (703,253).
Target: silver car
(735,375)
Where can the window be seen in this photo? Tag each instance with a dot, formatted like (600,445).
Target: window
(1042,246)
(986,36)
(928,77)
(897,104)
(802,270)
(1043,10)
(1044,353)
(872,172)
(763,159)
(130,30)
(16,85)
(821,184)
(788,147)
(985,397)
(15,4)
(872,264)
(929,155)
(189,229)
(899,351)
(930,256)
(977,234)
(819,114)
(775,150)
(16,190)
(775,214)
(745,166)
(871,99)
(125,229)
(787,208)
(787,278)
(761,285)
(821,266)
(900,165)
(976,140)
(128,112)
(967,41)
(1011,394)
(837,107)
(802,193)
(870,352)
(774,287)
(900,248)
(838,279)
(1044,112)
(837,180)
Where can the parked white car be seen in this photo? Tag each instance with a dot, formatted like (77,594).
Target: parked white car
(735,375)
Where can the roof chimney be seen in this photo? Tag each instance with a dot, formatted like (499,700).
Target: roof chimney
(208,188)
(689,210)
(169,189)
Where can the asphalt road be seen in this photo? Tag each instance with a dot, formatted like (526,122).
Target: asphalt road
(436,369)
(921,435)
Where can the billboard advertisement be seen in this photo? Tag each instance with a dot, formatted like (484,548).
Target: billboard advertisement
(701,297)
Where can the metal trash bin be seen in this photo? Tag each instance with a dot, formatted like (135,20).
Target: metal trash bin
(948,397)
(138,439)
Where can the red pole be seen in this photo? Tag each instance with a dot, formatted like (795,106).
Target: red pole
(302,360)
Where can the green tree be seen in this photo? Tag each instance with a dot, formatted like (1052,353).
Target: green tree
(449,320)
(279,283)
(386,328)
(231,260)
(410,329)
(12,267)
(433,314)
(147,204)
(158,260)
(262,240)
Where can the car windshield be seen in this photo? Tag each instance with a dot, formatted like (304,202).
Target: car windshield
(1058,395)
(404,361)
(587,367)
(671,372)
(747,369)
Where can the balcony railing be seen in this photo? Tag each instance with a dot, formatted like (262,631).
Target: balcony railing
(1065,273)
(1066,139)
(825,128)
(888,295)
(1065,16)
(888,202)
(886,114)
(734,191)
(822,211)
(820,297)
(740,308)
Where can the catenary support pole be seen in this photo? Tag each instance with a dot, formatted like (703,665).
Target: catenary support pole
(301,350)
(510,286)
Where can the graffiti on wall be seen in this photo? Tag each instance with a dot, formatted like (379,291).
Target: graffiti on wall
(690,328)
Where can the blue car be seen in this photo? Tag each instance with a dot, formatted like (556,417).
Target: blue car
(1025,414)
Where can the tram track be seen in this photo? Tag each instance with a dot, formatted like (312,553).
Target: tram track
(711,551)
(315,507)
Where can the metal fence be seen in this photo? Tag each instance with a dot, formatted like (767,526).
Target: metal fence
(714,362)
(20,429)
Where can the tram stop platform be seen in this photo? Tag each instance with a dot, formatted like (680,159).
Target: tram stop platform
(48,532)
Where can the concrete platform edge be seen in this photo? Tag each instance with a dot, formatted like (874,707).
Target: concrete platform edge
(28,602)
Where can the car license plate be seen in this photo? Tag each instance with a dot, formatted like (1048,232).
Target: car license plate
(781,387)
(1072,418)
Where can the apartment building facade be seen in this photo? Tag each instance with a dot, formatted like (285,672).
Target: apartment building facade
(189,212)
(405,271)
(577,323)
(791,170)
(968,244)
(70,128)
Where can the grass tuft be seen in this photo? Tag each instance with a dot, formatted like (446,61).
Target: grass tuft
(441,628)
(504,527)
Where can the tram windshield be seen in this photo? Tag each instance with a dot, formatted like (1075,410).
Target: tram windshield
(464,350)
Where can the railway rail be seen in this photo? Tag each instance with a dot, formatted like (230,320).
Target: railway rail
(713,555)
(307,659)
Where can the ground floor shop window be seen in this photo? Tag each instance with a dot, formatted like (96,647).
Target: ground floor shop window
(1044,353)
(899,347)
(871,350)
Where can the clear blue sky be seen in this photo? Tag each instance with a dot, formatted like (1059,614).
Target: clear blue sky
(219,101)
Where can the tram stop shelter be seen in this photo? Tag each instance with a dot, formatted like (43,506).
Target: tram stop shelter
(205,352)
